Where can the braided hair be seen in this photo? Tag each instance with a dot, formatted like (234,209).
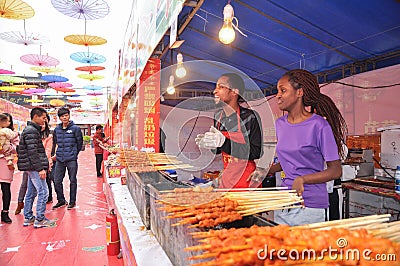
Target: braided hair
(320,104)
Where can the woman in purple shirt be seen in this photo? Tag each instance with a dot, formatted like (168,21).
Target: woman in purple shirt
(309,134)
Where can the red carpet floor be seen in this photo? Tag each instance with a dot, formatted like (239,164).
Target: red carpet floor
(79,238)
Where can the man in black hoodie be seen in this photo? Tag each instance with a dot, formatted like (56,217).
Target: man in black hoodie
(69,141)
(33,160)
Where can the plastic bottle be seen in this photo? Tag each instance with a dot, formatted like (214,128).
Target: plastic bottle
(397,180)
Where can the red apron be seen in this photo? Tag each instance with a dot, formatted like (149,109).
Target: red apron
(236,171)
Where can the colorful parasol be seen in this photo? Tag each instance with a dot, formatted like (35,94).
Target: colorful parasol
(90,76)
(11,88)
(54,78)
(39,60)
(51,93)
(59,85)
(72,100)
(82,9)
(12,79)
(34,100)
(15,9)
(90,69)
(34,91)
(57,102)
(26,86)
(5,71)
(95,93)
(64,89)
(92,87)
(23,38)
(86,40)
(46,70)
(88,58)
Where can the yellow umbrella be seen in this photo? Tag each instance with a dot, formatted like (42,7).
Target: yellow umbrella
(15,9)
(90,76)
(11,89)
(12,79)
(86,40)
(57,102)
(47,70)
(34,101)
(26,86)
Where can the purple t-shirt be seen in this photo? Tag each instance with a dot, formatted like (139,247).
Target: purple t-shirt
(302,149)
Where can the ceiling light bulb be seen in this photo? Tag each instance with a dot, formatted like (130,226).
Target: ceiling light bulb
(227,33)
(171,88)
(180,71)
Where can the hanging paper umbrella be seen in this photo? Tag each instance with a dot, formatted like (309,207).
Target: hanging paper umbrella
(15,9)
(90,76)
(46,70)
(34,100)
(5,71)
(74,95)
(23,38)
(64,90)
(88,9)
(94,93)
(51,93)
(88,58)
(74,100)
(33,91)
(90,69)
(92,87)
(59,85)
(12,79)
(54,78)
(39,60)
(86,40)
(11,89)
(57,102)
(26,86)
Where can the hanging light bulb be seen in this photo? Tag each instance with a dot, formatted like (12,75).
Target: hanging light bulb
(180,71)
(227,33)
(171,88)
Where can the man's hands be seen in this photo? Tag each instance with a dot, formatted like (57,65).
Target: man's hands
(210,140)
(42,174)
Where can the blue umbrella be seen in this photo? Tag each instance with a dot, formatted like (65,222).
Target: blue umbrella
(88,58)
(92,87)
(54,78)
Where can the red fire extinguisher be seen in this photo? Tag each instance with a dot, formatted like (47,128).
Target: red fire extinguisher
(113,245)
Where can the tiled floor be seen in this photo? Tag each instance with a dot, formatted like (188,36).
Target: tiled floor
(79,238)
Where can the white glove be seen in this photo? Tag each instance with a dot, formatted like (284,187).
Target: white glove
(200,141)
(214,138)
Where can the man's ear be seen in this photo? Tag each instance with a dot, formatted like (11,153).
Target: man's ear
(236,91)
(300,92)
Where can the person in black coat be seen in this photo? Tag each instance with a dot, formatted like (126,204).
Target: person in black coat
(33,160)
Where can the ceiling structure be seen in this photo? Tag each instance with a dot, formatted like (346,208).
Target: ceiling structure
(332,39)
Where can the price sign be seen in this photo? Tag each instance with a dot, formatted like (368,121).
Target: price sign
(115,171)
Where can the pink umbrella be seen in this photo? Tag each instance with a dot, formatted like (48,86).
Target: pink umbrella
(60,85)
(39,60)
(7,72)
(33,91)
(94,93)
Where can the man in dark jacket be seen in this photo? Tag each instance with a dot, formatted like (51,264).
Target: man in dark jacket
(33,160)
(69,141)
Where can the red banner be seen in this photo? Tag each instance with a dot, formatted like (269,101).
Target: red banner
(19,113)
(147,131)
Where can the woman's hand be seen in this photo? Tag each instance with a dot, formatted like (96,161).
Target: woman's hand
(298,185)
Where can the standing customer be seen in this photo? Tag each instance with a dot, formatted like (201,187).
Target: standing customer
(98,138)
(69,141)
(310,134)
(6,172)
(236,133)
(33,160)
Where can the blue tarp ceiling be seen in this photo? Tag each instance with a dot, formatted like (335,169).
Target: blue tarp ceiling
(332,39)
